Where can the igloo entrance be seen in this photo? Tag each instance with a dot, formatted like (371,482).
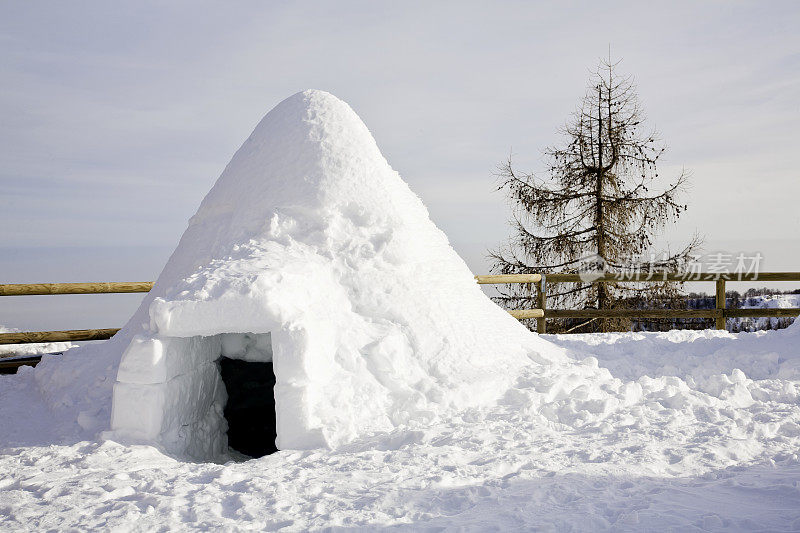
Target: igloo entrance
(198,396)
(245,368)
(250,408)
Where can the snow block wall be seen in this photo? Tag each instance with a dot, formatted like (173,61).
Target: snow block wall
(311,252)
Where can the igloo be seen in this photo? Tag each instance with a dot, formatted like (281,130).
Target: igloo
(311,257)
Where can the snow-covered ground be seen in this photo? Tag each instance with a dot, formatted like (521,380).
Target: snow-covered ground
(771,301)
(705,437)
(764,301)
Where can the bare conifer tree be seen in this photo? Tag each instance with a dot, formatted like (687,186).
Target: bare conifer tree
(597,204)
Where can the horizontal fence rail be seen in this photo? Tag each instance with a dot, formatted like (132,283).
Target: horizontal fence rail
(508,278)
(521,314)
(623,277)
(27,337)
(669,313)
(719,313)
(111,287)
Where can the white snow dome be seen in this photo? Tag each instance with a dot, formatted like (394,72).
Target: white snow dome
(316,277)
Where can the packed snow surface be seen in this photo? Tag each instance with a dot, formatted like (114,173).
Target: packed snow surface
(405,399)
(699,432)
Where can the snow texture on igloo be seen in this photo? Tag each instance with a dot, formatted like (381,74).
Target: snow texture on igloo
(312,253)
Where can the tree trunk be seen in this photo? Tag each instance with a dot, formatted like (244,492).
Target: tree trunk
(599,222)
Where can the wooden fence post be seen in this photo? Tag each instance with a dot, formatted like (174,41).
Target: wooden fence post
(541,298)
(721,304)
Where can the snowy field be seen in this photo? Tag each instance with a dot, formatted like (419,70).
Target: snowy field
(704,437)
(766,301)
(771,301)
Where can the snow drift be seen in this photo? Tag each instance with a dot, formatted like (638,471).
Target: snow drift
(700,430)
(311,252)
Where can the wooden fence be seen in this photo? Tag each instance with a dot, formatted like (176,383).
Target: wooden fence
(31,289)
(720,313)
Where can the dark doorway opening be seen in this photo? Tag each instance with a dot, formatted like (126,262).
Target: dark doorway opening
(250,410)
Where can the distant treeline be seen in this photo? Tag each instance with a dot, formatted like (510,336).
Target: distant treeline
(750,299)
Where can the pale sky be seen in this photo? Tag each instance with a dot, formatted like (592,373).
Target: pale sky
(118,117)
